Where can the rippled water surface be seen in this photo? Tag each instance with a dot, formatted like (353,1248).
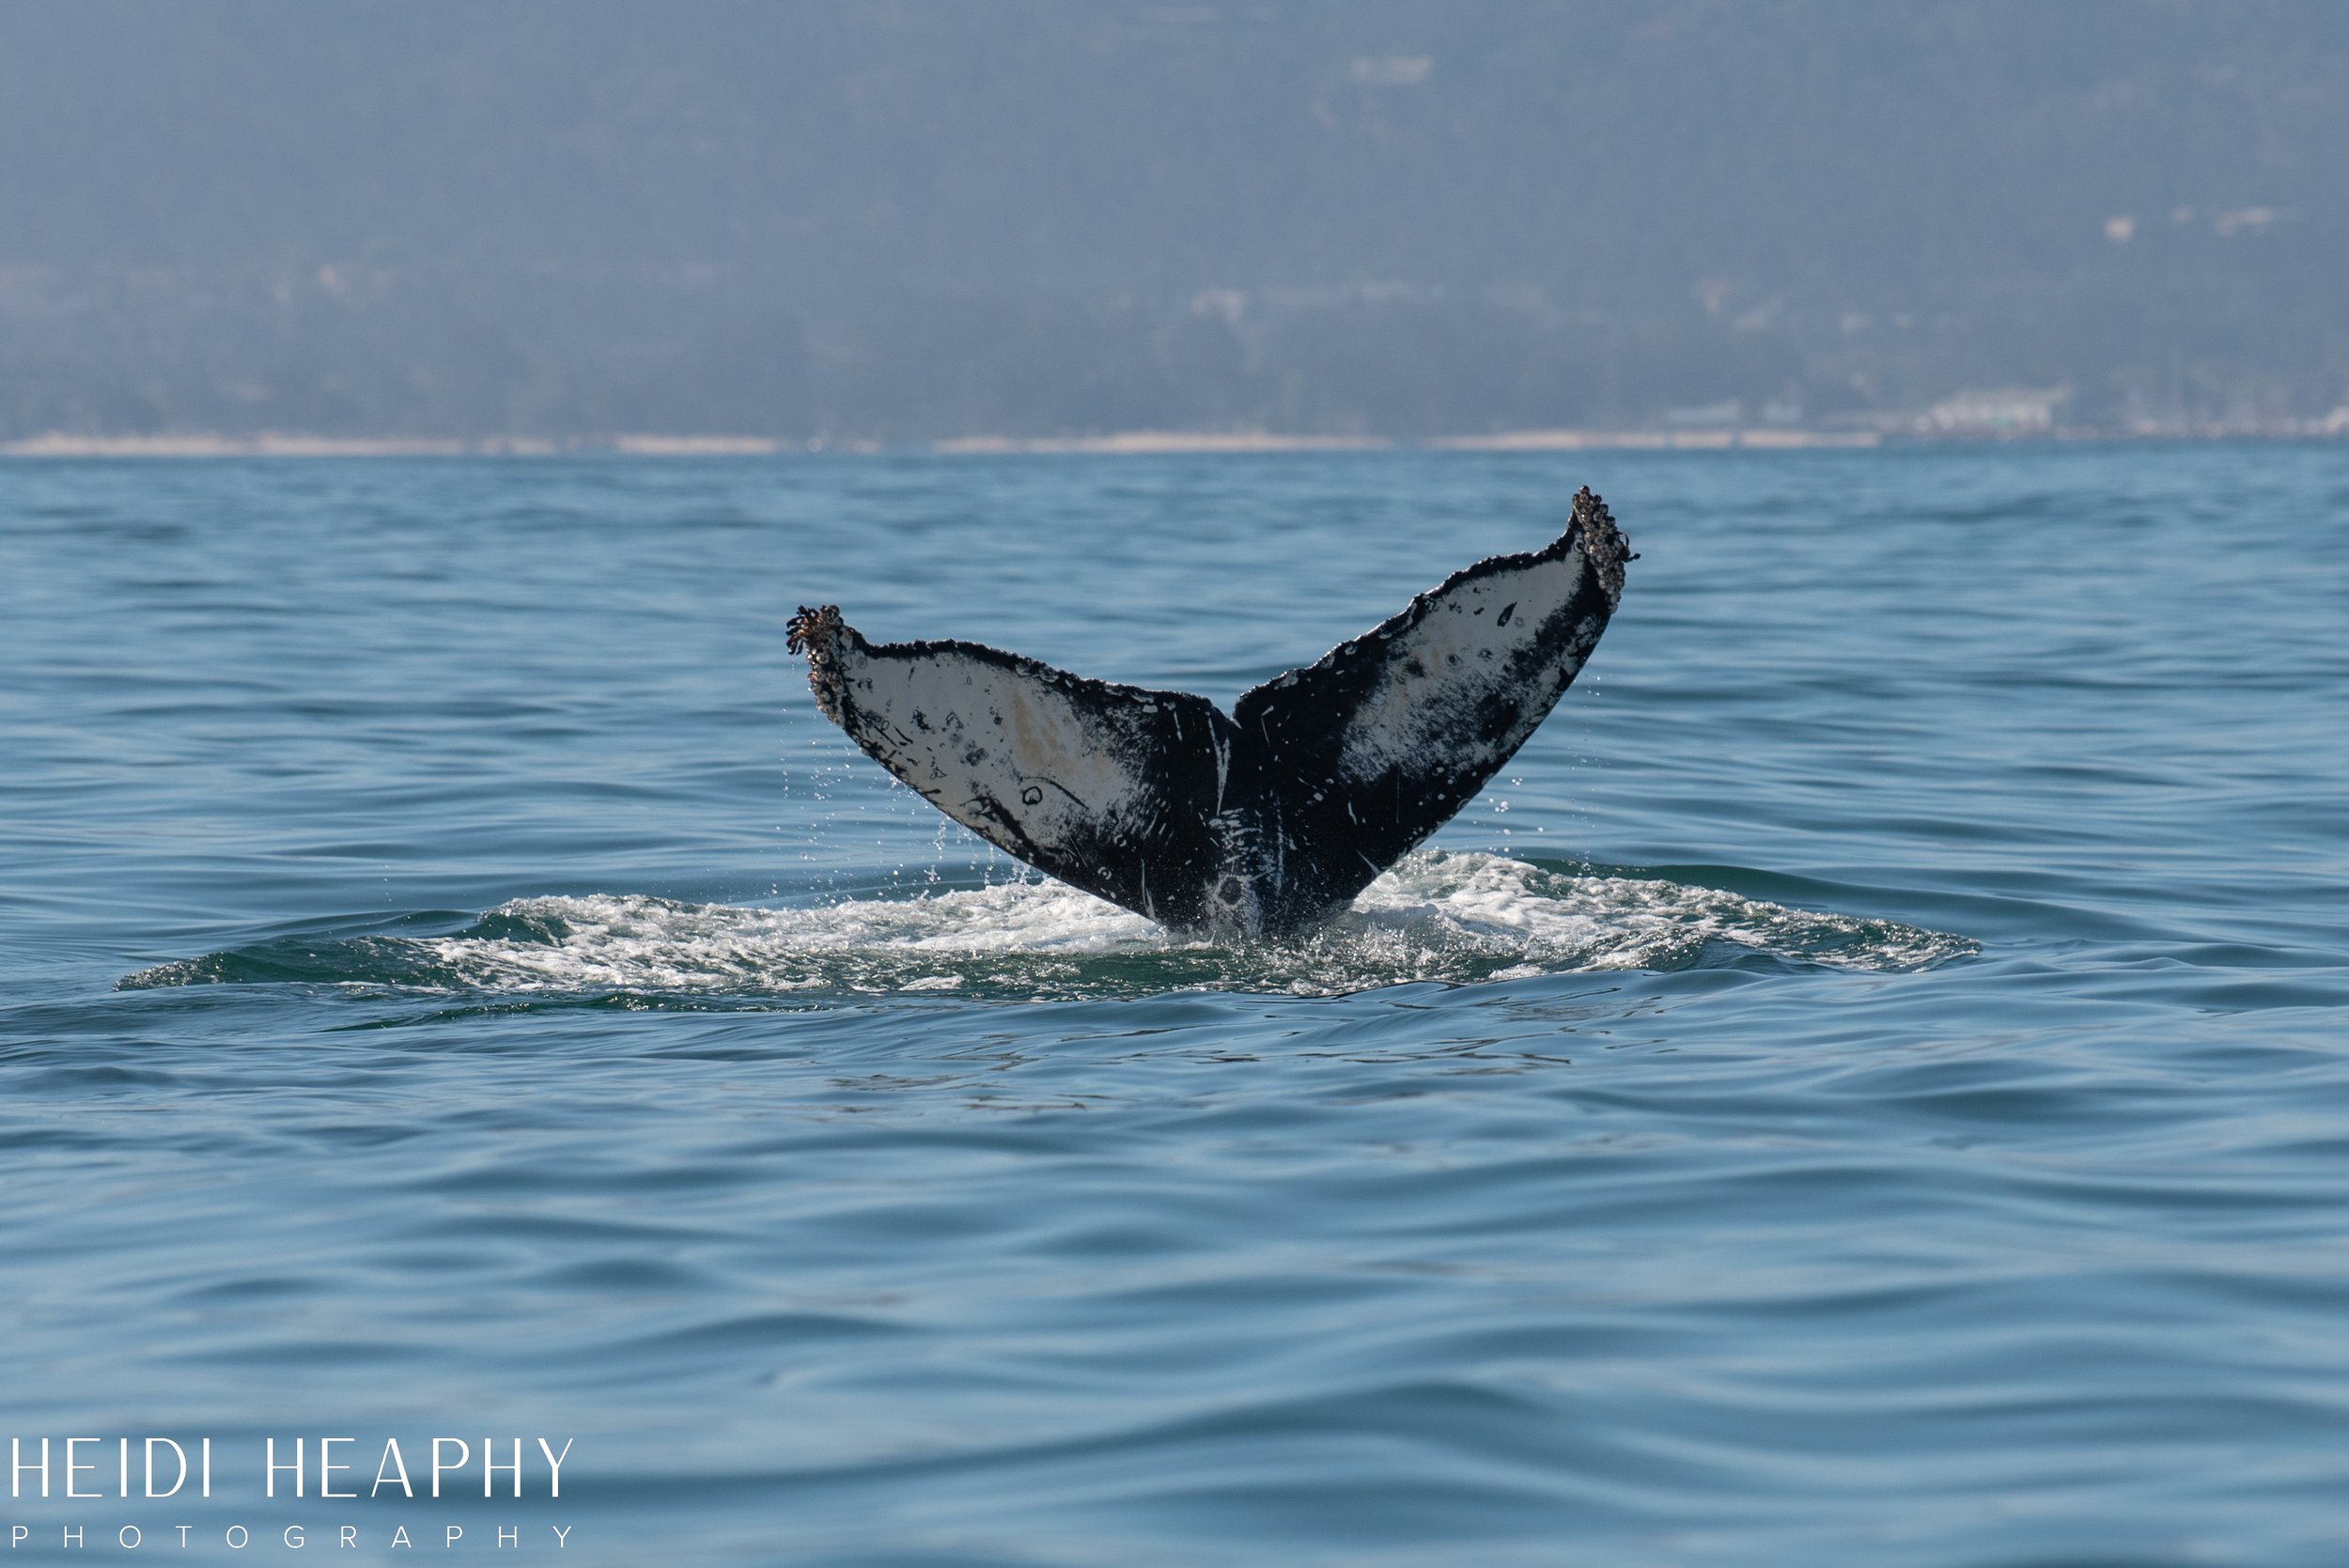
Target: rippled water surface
(1867,1085)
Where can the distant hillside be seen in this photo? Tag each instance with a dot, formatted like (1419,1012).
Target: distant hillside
(902,221)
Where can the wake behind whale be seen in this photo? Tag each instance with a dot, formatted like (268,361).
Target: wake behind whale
(1262,824)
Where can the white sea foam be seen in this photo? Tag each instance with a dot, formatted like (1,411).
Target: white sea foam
(1435,916)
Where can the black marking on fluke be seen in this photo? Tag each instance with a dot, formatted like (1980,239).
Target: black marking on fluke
(1259,825)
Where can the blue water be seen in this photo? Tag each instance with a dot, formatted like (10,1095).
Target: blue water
(1868,1085)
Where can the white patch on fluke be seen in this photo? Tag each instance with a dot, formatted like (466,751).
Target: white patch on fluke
(1458,653)
(962,730)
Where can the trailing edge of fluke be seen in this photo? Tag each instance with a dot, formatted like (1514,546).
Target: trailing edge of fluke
(1256,826)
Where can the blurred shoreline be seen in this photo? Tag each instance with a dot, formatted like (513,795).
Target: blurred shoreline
(1128,442)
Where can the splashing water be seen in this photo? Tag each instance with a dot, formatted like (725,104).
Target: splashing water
(1435,916)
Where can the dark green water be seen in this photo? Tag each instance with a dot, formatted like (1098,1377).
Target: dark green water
(1869,1084)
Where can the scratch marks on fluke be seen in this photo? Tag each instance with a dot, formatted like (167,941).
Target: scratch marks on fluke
(1257,825)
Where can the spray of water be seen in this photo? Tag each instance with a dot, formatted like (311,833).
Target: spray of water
(1450,918)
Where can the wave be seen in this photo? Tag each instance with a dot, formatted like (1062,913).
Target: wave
(1435,916)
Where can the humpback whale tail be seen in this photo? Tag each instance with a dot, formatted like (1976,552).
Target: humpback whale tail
(1256,825)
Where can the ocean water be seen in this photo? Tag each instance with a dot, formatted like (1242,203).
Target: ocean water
(1868,1085)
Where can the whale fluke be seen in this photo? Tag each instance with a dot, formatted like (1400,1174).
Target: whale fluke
(1257,825)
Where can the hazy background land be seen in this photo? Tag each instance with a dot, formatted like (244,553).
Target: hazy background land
(903,223)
